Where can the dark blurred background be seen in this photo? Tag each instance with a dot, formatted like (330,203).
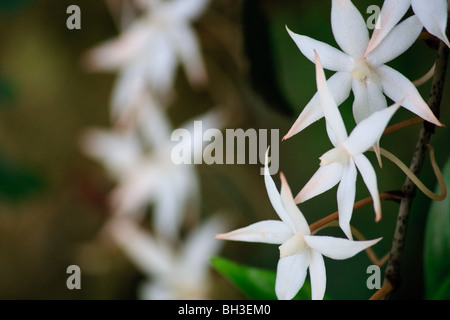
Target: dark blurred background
(53,198)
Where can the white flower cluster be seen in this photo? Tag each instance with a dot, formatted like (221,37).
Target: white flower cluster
(360,67)
(157,37)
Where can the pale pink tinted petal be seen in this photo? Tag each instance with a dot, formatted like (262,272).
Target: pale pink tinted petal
(318,276)
(291,208)
(339,85)
(268,231)
(330,110)
(398,88)
(433,15)
(370,179)
(400,39)
(349,28)
(338,248)
(369,98)
(323,180)
(369,130)
(346,198)
(391,13)
(332,58)
(291,275)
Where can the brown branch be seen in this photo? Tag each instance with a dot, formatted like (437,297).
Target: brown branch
(408,190)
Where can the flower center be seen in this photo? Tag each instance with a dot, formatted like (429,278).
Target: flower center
(295,244)
(361,70)
(338,154)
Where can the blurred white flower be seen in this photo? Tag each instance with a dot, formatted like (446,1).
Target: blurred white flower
(339,164)
(173,273)
(364,73)
(146,54)
(299,250)
(432,15)
(141,163)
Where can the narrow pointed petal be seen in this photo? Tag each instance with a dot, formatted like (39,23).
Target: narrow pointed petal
(370,179)
(369,98)
(339,85)
(338,248)
(391,13)
(274,195)
(291,275)
(369,131)
(398,88)
(400,39)
(267,231)
(433,15)
(294,213)
(185,10)
(323,180)
(318,276)
(329,106)
(141,247)
(346,198)
(349,28)
(332,58)
(188,49)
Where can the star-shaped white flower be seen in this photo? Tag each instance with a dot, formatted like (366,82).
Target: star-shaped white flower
(431,13)
(339,164)
(364,73)
(299,249)
(146,54)
(173,272)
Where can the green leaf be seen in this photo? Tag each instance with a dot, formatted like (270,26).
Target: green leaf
(437,246)
(256,284)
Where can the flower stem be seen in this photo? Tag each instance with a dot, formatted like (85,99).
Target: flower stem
(408,190)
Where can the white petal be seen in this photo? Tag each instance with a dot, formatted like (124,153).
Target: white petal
(391,13)
(323,180)
(400,39)
(369,130)
(141,247)
(346,198)
(188,48)
(349,28)
(369,98)
(338,248)
(267,231)
(370,179)
(291,274)
(295,215)
(185,10)
(318,276)
(339,85)
(274,195)
(398,88)
(433,15)
(331,58)
(200,246)
(330,110)
(119,153)
(116,53)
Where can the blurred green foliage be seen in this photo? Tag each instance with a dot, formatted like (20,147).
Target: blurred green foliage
(437,246)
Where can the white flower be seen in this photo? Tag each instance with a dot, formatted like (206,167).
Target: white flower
(140,162)
(431,13)
(363,72)
(174,273)
(339,164)
(299,250)
(146,54)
